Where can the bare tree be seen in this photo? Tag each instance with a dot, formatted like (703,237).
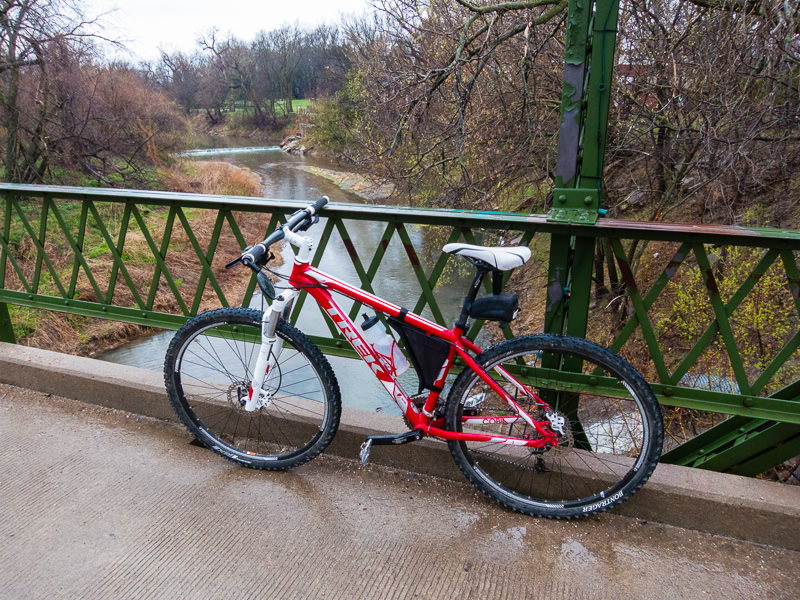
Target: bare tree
(324,65)
(59,107)
(180,76)
(212,90)
(109,122)
(280,53)
(30,30)
(457,88)
(707,110)
(235,60)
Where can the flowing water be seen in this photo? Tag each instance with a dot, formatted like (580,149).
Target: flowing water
(284,178)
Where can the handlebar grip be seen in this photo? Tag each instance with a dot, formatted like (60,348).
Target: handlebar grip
(275,236)
(306,217)
(252,257)
(320,203)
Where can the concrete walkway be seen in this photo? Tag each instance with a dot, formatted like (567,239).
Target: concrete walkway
(101,503)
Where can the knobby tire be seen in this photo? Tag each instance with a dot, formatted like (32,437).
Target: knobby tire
(208,370)
(612,439)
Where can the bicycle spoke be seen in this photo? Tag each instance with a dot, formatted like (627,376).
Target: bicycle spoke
(610,443)
(209,376)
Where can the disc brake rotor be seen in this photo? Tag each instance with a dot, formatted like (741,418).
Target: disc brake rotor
(238,393)
(566,440)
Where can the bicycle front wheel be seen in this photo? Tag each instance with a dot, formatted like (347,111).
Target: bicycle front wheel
(612,428)
(208,371)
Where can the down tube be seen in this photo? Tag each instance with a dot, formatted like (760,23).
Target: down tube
(360,345)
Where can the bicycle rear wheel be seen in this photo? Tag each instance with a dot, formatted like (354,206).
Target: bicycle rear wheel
(208,369)
(611,440)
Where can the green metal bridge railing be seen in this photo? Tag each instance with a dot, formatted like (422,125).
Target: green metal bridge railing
(75,249)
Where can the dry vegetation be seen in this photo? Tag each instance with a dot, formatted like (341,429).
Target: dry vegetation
(89,337)
(212,177)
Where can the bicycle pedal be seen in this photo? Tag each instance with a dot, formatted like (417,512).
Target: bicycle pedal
(364,454)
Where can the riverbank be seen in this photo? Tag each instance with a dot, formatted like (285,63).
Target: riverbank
(362,186)
(84,336)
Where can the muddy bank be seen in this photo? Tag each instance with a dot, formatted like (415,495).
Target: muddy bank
(362,186)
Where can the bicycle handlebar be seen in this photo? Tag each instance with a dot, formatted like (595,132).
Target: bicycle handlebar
(301,220)
(319,204)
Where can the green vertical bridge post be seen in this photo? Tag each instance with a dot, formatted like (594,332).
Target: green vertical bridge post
(6,327)
(588,67)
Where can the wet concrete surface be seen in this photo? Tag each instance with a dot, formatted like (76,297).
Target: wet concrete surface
(100,503)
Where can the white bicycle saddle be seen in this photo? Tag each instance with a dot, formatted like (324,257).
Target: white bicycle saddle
(501,258)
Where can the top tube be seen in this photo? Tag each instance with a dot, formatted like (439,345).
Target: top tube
(303,276)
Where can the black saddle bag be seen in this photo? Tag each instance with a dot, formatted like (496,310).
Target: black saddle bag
(495,307)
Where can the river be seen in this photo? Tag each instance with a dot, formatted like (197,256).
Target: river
(284,177)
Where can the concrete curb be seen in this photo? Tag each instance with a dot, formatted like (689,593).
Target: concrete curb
(729,505)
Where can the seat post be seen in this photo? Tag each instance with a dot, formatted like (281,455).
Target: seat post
(461,323)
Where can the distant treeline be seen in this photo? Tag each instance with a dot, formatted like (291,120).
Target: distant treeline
(264,75)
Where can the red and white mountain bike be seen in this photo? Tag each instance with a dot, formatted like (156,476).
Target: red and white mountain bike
(547,425)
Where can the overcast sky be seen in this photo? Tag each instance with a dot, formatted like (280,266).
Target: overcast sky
(147,25)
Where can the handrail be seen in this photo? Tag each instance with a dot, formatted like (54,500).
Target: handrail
(618,228)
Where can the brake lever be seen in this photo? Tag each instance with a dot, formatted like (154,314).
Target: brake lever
(232,264)
(308,223)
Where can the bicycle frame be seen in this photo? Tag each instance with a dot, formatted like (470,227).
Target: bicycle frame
(319,285)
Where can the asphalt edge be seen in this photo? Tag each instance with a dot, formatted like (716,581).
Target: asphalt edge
(739,507)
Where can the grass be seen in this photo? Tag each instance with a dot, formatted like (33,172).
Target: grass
(280,107)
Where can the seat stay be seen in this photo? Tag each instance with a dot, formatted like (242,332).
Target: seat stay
(474,366)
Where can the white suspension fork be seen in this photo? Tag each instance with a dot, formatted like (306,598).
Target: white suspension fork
(269,351)
(271,345)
